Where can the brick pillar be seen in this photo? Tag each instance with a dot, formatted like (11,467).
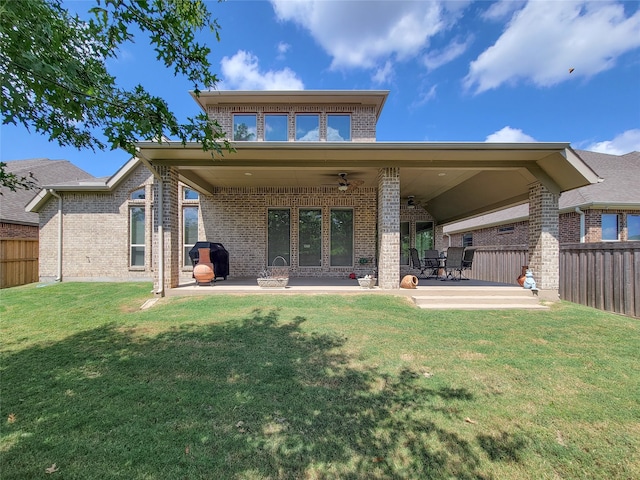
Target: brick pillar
(440,242)
(389,228)
(544,249)
(171,227)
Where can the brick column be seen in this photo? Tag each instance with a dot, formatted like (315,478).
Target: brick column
(440,242)
(389,228)
(544,249)
(171,227)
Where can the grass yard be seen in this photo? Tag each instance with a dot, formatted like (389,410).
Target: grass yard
(311,387)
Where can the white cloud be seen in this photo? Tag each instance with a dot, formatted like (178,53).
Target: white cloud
(364,34)
(626,142)
(384,74)
(433,60)
(283,48)
(242,72)
(502,9)
(509,135)
(544,39)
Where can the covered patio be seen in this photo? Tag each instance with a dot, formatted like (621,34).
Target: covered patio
(450,181)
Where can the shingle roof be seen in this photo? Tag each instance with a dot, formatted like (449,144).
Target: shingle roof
(620,187)
(45,172)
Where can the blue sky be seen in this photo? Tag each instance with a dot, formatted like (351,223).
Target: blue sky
(456,70)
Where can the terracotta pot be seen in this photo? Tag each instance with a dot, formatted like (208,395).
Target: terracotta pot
(521,280)
(409,281)
(203,271)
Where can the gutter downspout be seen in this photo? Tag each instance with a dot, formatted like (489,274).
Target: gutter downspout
(53,192)
(158,177)
(582,224)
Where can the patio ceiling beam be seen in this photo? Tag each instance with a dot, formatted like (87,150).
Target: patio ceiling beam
(196,182)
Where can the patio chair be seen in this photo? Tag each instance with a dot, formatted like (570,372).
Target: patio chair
(415,262)
(432,262)
(467,261)
(453,264)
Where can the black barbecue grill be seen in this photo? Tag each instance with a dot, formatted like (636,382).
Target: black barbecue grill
(219,257)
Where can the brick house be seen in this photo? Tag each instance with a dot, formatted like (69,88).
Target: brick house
(19,229)
(607,211)
(15,221)
(281,193)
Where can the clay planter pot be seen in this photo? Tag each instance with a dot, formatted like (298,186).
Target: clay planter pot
(409,281)
(203,271)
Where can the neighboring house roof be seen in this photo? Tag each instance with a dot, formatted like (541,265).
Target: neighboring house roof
(92,184)
(45,171)
(619,188)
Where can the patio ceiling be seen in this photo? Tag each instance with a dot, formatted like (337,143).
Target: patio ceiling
(451,180)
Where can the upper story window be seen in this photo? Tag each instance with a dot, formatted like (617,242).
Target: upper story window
(633,227)
(188,194)
(338,128)
(307,127)
(244,127)
(275,128)
(138,194)
(610,227)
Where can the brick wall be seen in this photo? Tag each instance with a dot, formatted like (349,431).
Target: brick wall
(13,230)
(569,228)
(363,118)
(237,218)
(95,233)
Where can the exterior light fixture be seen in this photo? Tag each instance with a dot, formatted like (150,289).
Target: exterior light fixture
(342,187)
(411,203)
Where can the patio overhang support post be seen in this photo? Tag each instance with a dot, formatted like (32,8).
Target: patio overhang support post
(544,246)
(389,228)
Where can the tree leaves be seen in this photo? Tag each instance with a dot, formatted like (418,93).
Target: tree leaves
(55,78)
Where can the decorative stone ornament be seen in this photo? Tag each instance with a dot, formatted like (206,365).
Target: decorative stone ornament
(529,283)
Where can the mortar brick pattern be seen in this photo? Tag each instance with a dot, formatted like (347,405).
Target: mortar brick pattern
(389,227)
(95,233)
(363,118)
(544,248)
(237,218)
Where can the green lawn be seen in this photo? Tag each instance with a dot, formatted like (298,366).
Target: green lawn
(311,387)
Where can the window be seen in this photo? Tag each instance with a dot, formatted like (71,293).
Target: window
(467,240)
(338,128)
(310,238)
(307,128)
(341,238)
(424,236)
(189,232)
(244,127)
(189,194)
(137,226)
(138,194)
(633,227)
(609,227)
(275,128)
(502,230)
(405,243)
(279,235)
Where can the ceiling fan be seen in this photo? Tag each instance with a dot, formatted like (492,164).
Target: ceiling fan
(412,203)
(345,184)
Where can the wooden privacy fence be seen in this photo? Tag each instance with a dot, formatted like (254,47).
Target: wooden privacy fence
(498,264)
(18,261)
(604,275)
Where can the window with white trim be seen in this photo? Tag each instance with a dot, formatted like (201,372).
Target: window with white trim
(341,243)
(245,127)
(633,227)
(610,227)
(189,232)
(137,216)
